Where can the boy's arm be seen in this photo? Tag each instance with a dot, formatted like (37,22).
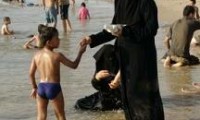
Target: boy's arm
(28,43)
(7,31)
(69,63)
(72,64)
(32,71)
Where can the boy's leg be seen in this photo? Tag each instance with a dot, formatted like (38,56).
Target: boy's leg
(42,108)
(58,104)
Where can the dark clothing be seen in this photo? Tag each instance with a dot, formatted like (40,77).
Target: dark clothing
(105,98)
(137,58)
(181,33)
(64,11)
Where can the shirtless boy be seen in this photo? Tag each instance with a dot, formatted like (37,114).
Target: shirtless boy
(51,11)
(47,62)
(5,30)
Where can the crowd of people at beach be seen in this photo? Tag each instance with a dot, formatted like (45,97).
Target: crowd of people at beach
(126,73)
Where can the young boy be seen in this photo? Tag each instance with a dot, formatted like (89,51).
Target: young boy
(35,39)
(5,29)
(47,62)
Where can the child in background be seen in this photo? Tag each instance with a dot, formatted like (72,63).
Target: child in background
(83,12)
(5,29)
(47,62)
(35,39)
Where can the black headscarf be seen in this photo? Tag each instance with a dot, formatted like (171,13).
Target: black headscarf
(106,59)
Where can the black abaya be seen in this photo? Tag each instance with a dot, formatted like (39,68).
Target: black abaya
(137,58)
(105,98)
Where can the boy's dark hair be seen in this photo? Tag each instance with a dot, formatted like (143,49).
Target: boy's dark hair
(188,10)
(6,19)
(193,1)
(83,4)
(47,33)
(40,27)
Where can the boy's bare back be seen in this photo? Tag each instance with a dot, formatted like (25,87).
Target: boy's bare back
(48,65)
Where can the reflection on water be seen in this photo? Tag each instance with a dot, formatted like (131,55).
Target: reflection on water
(15,88)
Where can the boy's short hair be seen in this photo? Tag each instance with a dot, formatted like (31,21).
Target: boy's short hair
(6,19)
(47,33)
(188,10)
(40,27)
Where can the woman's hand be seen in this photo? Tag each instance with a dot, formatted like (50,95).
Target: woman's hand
(102,74)
(116,82)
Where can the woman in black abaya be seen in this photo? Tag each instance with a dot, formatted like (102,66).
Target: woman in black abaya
(105,98)
(137,57)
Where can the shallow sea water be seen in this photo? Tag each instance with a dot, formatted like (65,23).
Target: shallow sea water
(15,88)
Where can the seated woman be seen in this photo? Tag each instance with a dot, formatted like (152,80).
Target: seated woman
(106,69)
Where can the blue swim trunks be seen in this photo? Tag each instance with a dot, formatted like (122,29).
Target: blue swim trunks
(51,15)
(49,91)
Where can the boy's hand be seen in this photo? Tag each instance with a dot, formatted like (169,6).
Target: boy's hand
(82,49)
(85,41)
(34,93)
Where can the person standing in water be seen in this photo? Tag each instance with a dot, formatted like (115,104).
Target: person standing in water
(64,13)
(47,62)
(51,11)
